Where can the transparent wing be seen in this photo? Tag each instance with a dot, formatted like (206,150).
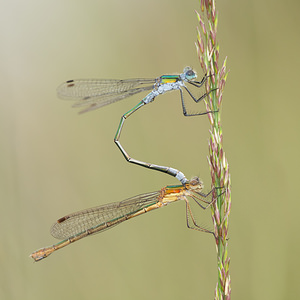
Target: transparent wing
(100,92)
(81,221)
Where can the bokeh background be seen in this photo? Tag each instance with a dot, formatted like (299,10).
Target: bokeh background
(54,161)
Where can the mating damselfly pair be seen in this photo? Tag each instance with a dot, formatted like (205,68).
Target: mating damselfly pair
(95,93)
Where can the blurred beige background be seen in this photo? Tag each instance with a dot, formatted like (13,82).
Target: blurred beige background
(55,162)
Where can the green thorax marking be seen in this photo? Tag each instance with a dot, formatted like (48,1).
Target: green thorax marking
(169,78)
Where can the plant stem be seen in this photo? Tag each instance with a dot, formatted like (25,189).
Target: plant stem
(208,53)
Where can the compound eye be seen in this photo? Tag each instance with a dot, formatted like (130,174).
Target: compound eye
(190,73)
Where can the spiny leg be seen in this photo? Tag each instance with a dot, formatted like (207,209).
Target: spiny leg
(197,199)
(199,84)
(185,113)
(200,98)
(202,197)
(195,225)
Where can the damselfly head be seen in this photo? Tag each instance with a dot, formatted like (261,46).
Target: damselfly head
(196,184)
(189,73)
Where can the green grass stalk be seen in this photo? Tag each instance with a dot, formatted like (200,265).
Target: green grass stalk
(208,54)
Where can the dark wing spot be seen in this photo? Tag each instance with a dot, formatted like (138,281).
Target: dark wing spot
(62,219)
(70,83)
